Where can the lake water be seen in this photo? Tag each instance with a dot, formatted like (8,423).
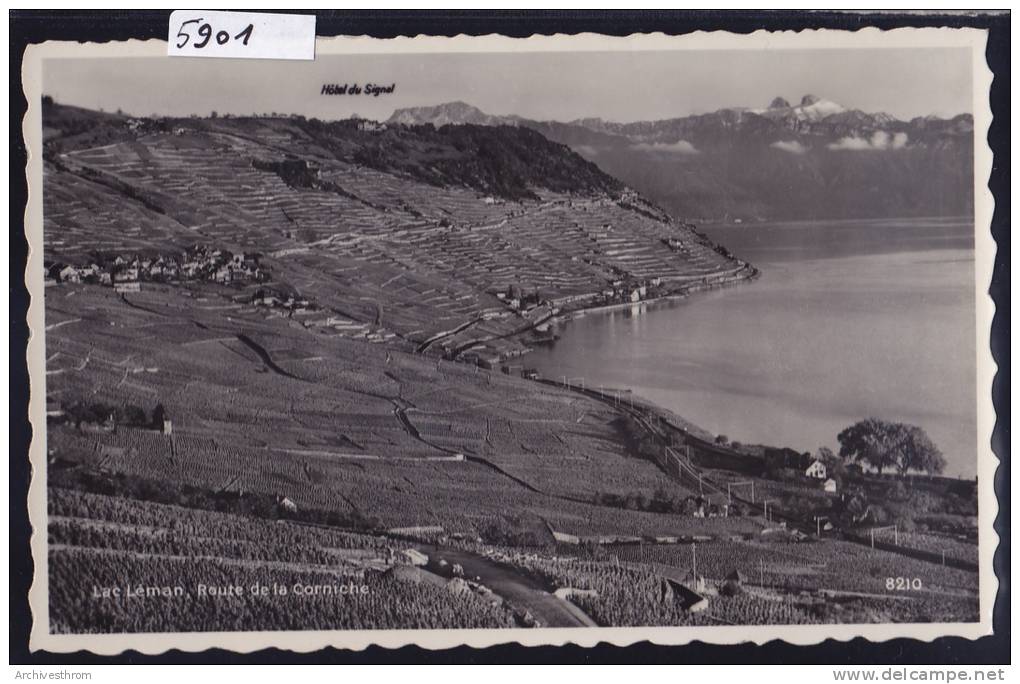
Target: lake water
(849,320)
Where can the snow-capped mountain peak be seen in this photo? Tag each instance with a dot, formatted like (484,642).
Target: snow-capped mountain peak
(811,108)
(814,108)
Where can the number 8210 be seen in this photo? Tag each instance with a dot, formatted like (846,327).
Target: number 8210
(903,583)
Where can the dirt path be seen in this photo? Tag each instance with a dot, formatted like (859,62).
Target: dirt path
(266,357)
(424,346)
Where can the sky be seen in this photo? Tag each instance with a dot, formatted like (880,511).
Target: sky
(618,86)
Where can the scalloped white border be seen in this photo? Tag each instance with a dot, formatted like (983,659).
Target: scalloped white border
(245,642)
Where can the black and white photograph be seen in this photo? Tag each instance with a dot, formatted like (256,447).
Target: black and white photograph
(643,338)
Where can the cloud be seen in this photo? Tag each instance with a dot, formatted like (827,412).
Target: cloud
(586,150)
(880,140)
(851,144)
(792,146)
(679,147)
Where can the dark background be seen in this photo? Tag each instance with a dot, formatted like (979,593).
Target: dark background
(28,27)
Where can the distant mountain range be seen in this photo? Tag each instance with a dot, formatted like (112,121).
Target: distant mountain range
(813,160)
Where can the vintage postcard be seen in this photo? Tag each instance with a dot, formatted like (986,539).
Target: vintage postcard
(475,340)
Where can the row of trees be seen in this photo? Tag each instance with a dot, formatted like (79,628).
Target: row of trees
(881,445)
(97,412)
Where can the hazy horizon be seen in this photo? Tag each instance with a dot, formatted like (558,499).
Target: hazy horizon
(542,86)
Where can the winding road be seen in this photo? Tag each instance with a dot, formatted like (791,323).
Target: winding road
(516,588)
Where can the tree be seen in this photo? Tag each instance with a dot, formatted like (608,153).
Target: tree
(853,508)
(918,452)
(882,444)
(868,441)
(158,416)
(135,416)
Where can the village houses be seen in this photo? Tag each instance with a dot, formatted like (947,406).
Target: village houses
(125,273)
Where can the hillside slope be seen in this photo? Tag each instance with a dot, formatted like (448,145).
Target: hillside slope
(455,239)
(276,313)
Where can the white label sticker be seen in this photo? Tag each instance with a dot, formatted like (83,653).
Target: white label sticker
(241,35)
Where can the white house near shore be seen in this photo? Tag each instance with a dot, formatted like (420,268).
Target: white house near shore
(816,470)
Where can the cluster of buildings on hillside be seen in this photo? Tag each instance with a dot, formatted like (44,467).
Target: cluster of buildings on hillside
(518,299)
(371,126)
(302,311)
(126,274)
(267,296)
(619,291)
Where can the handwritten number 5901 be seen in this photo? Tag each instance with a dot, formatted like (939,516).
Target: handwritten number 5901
(206,33)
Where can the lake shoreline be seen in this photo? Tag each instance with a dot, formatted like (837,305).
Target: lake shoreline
(827,336)
(740,276)
(526,335)
(677,295)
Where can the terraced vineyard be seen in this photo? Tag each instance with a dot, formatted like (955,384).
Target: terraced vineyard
(814,565)
(949,547)
(781,584)
(382,248)
(350,427)
(632,595)
(97,542)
